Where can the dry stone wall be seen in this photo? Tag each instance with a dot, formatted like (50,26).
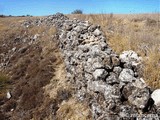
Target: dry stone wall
(111,84)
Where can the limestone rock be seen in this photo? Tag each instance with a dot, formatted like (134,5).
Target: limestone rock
(130,58)
(127,75)
(97,32)
(139,97)
(112,79)
(156,97)
(8,95)
(139,83)
(100,74)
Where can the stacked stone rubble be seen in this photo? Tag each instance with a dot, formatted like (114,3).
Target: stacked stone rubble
(108,82)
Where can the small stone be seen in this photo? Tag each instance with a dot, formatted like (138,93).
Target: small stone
(100,74)
(97,86)
(92,28)
(139,83)
(23,49)
(8,95)
(36,36)
(68,27)
(126,111)
(115,60)
(97,32)
(117,70)
(78,28)
(14,49)
(112,79)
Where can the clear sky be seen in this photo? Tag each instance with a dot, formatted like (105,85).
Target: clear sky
(46,7)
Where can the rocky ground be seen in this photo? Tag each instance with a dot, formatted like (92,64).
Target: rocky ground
(100,84)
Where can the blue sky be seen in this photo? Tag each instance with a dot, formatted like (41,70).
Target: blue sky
(46,7)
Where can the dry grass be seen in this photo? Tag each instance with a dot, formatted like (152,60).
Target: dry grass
(4,85)
(73,110)
(138,32)
(39,84)
(4,79)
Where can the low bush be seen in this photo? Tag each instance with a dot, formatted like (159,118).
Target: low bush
(78,11)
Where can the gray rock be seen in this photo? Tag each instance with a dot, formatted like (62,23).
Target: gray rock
(127,75)
(110,92)
(139,97)
(68,27)
(117,70)
(115,60)
(78,28)
(112,79)
(125,111)
(97,32)
(126,91)
(139,83)
(130,58)
(100,74)
(96,110)
(97,86)
(92,28)
(36,36)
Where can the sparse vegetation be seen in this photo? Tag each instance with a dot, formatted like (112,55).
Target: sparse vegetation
(2,15)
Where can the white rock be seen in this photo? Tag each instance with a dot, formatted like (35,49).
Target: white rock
(36,36)
(8,95)
(130,57)
(14,49)
(99,73)
(140,83)
(156,97)
(97,32)
(97,86)
(127,75)
(78,28)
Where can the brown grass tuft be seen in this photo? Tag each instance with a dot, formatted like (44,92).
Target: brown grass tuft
(73,110)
